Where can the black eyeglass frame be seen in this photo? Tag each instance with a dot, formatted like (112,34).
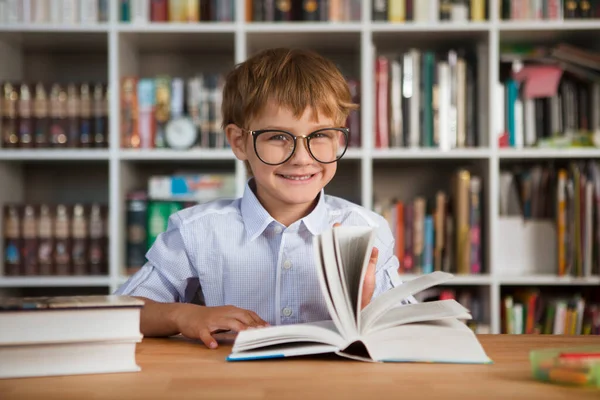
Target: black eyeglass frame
(308,137)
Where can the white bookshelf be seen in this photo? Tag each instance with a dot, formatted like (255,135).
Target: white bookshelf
(108,51)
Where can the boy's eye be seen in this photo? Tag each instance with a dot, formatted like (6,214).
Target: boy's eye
(279,137)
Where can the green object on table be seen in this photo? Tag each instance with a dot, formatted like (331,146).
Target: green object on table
(576,366)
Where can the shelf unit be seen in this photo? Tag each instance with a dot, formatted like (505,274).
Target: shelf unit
(112,50)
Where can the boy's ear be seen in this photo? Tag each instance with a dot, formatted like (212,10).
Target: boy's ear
(237,140)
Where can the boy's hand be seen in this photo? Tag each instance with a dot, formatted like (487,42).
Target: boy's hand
(198,322)
(369,282)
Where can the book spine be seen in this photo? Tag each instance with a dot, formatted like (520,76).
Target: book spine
(12,240)
(100,116)
(79,235)
(146,123)
(98,240)
(25,120)
(162,112)
(380,10)
(62,242)
(85,127)
(40,117)
(89,12)
(136,246)
(45,250)
(428,245)
(9,117)
(475,224)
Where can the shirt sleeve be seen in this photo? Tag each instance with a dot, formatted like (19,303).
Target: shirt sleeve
(386,274)
(169,274)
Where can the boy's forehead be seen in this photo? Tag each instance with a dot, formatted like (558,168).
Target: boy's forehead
(276,110)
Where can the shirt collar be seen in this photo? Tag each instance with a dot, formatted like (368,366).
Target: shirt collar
(256,219)
(318,220)
(254,215)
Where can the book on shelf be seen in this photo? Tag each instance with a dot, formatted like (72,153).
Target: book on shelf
(528,311)
(426,99)
(67,12)
(54,115)
(442,233)
(429,11)
(80,335)
(383,331)
(565,195)
(165,11)
(468,297)
(548,10)
(549,96)
(303,10)
(55,239)
(148,212)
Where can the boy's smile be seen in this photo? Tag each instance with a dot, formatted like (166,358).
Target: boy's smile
(287,191)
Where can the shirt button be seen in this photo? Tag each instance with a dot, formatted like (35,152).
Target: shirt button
(287,312)
(278,230)
(287,264)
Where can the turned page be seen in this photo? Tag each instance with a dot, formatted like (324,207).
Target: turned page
(353,245)
(393,297)
(419,312)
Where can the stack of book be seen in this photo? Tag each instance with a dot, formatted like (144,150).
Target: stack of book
(43,336)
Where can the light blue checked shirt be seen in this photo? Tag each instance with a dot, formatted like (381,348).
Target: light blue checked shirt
(234,253)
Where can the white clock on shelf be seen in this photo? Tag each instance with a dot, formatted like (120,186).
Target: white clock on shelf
(181,133)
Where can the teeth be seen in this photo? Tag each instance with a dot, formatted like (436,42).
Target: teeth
(297,178)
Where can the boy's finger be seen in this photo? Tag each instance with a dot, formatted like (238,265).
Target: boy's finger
(369,283)
(258,319)
(244,317)
(233,324)
(207,339)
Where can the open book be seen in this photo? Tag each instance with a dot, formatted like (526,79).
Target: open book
(385,330)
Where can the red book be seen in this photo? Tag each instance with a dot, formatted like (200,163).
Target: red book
(159,10)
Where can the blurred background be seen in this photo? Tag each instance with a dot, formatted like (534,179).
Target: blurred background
(476,138)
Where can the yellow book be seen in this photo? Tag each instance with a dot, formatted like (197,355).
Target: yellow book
(477,10)
(397,11)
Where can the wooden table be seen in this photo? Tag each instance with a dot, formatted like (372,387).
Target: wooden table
(180,368)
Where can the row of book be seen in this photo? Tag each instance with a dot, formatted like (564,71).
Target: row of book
(55,115)
(567,193)
(426,99)
(303,10)
(466,297)
(63,12)
(172,112)
(148,211)
(55,239)
(441,233)
(530,312)
(429,10)
(549,9)
(178,11)
(549,97)
(185,113)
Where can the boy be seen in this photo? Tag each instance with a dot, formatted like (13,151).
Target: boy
(252,258)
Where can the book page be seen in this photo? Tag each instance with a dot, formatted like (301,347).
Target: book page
(353,245)
(323,332)
(320,265)
(443,341)
(420,312)
(340,301)
(393,297)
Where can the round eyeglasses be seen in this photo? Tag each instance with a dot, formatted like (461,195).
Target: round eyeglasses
(274,147)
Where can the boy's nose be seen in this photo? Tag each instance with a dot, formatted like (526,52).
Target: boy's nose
(301,154)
